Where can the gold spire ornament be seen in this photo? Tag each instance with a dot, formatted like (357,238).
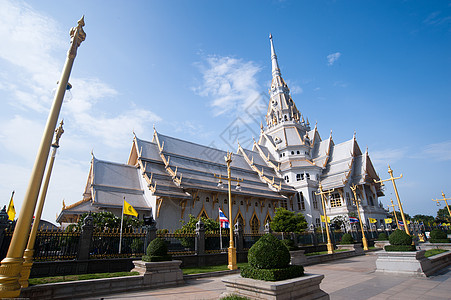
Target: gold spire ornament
(11,265)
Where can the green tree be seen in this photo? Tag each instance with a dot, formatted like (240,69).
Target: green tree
(427,220)
(106,220)
(338,221)
(287,221)
(443,215)
(190,226)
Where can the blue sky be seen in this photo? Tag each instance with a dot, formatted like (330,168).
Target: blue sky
(197,69)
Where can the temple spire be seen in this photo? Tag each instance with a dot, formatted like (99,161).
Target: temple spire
(275,64)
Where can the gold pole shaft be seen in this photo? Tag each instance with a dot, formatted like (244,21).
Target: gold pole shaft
(400,206)
(447,206)
(12,263)
(364,241)
(330,248)
(394,212)
(29,252)
(232,250)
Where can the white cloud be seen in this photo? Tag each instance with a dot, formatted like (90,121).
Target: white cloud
(381,158)
(332,58)
(439,151)
(230,82)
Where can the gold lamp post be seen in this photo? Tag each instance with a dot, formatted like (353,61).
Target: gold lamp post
(392,179)
(28,255)
(232,250)
(357,201)
(11,265)
(330,247)
(446,202)
(394,211)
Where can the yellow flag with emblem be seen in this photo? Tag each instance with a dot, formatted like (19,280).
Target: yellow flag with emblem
(372,220)
(129,210)
(323,220)
(11,210)
(388,221)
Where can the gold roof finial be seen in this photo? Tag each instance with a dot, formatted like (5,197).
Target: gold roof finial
(58,132)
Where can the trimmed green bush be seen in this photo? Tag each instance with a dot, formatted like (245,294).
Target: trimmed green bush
(272,274)
(382,237)
(438,236)
(268,253)
(400,237)
(234,297)
(157,251)
(400,248)
(289,244)
(347,239)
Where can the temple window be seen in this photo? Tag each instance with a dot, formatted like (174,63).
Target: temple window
(287,179)
(335,200)
(207,199)
(225,201)
(314,200)
(297,152)
(301,201)
(307,175)
(241,202)
(292,152)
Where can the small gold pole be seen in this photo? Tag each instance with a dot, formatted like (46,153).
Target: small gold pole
(446,202)
(232,250)
(392,179)
(29,252)
(394,211)
(12,263)
(330,247)
(357,201)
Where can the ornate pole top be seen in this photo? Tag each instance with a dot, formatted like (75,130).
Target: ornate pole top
(228,158)
(77,35)
(58,133)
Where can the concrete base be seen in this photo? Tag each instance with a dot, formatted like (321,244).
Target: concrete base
(160,273)
(381,244)
(429,246)
(305,287)
(298,258)
(408,263)
(351,247)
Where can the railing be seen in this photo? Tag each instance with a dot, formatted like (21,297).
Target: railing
(179,243)
(56,245)
(105,244)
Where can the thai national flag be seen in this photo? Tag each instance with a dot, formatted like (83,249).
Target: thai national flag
(223,220)
(353,220)
(400,223)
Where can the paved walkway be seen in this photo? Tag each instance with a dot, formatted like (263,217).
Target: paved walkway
(352,278)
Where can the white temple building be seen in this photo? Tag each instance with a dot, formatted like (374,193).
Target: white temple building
(172,178)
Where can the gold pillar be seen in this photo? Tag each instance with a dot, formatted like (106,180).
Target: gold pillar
(356,200)
(29,252)
(232,250)
(392,179)
(12,263)
(394,211)
(330,247)
(446,202)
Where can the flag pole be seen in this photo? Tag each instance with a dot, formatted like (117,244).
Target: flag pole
(122,222)
(220,235)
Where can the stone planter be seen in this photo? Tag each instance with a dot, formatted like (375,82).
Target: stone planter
(305,287)
(351,247)
(298,258)
(381,244)
(409,263)
(158,274)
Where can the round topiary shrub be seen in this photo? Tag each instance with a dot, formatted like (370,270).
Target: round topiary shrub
(269,260)
(347,239)
(400,237)
(400,241)
(382,237)
(157,251)
(268,253)
(438,236)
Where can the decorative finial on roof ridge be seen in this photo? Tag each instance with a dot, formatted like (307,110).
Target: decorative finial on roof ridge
(92,153)
(308,123)
(354,135)
(316,124)
(270,36)
(330,133)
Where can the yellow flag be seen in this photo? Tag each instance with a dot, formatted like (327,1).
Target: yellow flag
(408,222)
(129,210)
(388,221)
(11,210)
(323,220)
(372,220)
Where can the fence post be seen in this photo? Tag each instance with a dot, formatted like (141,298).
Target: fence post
(239,237)
(200,238)
(312,233)
(151,231)
(3,225)
(294,237)
(268,228)
(84,243)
